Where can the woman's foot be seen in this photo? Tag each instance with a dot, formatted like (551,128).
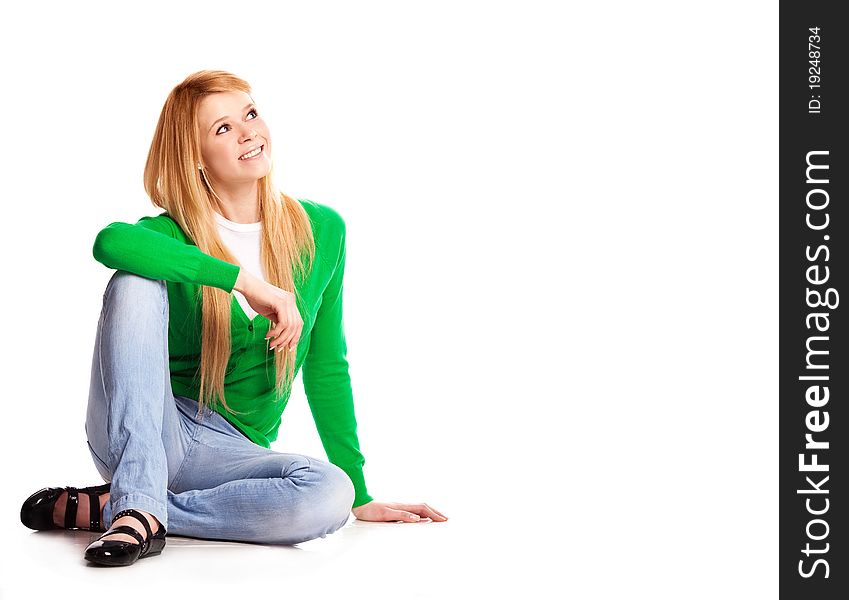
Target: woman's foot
(40,510)
(112,549)
(83,518)
(82,510)
(152,521)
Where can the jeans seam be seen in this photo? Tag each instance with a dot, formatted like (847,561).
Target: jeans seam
(100,460)
(100,364)
(166,316)
(192,445)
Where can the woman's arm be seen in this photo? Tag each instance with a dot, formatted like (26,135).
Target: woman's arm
(327,383)
(156,248)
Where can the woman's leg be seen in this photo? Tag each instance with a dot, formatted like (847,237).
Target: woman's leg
(204,478)
(233,489)
(137,436)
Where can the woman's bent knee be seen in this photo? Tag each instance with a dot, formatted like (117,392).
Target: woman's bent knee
(132,292)
(337,495)
(333,509)
(321,512)
(136,283)
(344,489)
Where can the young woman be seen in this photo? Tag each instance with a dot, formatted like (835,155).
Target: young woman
(215,306)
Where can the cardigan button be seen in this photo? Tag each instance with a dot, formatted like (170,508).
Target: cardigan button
(251,327)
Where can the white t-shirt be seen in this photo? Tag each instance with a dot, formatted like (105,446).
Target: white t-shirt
(243,240)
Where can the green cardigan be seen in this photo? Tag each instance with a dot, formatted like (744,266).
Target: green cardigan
(157,248)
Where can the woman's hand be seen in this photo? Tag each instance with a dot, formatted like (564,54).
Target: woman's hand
(276,305)
(394,511)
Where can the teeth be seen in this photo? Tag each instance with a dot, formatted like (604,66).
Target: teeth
(251,154)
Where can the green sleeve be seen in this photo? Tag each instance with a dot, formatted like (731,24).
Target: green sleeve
(327,383)
(156,248)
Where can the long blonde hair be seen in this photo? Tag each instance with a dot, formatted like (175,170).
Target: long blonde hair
(174,182)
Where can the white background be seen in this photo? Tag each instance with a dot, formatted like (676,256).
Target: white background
(561,289)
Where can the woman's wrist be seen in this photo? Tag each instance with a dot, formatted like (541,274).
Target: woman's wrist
(241,281)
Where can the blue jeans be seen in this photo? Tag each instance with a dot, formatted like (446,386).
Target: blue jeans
(200,477)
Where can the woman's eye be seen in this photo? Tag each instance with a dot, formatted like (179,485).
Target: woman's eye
(253,110)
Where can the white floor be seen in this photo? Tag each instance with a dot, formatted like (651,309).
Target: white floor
(514,546)
(363,559)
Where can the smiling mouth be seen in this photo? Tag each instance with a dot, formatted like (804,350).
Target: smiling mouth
(253,153)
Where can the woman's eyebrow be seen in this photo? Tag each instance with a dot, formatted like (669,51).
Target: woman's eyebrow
(226,117)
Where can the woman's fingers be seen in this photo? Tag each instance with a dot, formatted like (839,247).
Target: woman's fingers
(288,333)
(280,308)
(277,328)
(277,335)
(403,515)
(273,332)
(297,326)
(423,510)
(285,333)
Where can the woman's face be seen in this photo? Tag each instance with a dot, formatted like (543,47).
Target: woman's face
(230,127)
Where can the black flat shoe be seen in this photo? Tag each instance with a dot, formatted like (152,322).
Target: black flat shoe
(119,553)
(37,510)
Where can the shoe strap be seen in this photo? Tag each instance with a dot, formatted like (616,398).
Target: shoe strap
(94,493)
(94,511)
(131,512)
(129,531)
(71,508)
